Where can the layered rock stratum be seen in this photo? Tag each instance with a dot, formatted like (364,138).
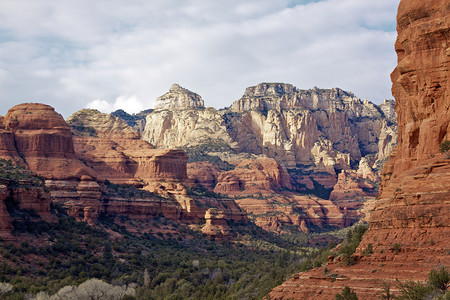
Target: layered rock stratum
(81,164)
(409,227)
(38,138)
(310,135)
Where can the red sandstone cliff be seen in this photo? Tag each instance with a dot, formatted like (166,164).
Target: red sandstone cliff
(36,136)
(43,140)
(260,188)
(113,149)
(414,201)
(104,148)
(22,197)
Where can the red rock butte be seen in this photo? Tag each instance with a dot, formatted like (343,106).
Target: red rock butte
(413,207)
(37,136)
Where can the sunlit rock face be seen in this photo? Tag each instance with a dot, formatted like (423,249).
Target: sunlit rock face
(179,98)
(327,130)
(414,201)
(310,135)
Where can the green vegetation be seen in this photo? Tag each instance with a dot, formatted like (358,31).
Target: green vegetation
(127,191)
(201,191)
(18,175)
(352,240)
(444,146)
(82,130)
(347,294)
(386,292)
(203,153)
(434,288)
(183,265)
(439,280)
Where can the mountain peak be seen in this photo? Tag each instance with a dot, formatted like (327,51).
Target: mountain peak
(179,98)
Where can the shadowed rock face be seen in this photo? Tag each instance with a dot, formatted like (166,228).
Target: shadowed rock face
(413,208)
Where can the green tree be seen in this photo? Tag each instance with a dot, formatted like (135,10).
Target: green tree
(347,294)
(439,280)
(386,293)
(411,290)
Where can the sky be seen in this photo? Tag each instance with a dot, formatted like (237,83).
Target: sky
(124,54)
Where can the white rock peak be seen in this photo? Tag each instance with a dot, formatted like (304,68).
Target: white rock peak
(179,98)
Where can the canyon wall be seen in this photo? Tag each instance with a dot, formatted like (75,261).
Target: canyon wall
(310,135)
(80,163)
(409,226)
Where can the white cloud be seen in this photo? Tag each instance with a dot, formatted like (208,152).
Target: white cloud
(69,53)
(130,104)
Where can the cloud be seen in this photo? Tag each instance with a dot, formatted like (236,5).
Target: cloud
(129,104)
(70,54)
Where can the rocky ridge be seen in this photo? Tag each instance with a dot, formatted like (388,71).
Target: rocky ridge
(179,98)
(409,225)
(80,170)
(313,134)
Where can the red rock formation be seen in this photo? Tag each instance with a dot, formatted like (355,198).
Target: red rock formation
(5,218)
(43,139)
(352,192)
(142,208)
(113,149)
(7,147)
(216,224)
(203,173)
(413,207)
(135,162)
(259,185)
(253,176)
(25,196)
(274,211)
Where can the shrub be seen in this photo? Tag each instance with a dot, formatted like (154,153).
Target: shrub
(439,280)
(396,248)
(368,251)
(347,294)
(91,289)
(386,293)
(413,290)
(348,247)
(5,288)
(444,146)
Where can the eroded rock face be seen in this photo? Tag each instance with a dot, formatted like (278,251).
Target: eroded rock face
(5,218)
(216,225)
(114,150)
(250,177)
(43,140)
(312,134)
(179,98)
(327,130)
(280,120)
(20,196)
(185,128)
(413,206)
(203,173)
(273,212)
